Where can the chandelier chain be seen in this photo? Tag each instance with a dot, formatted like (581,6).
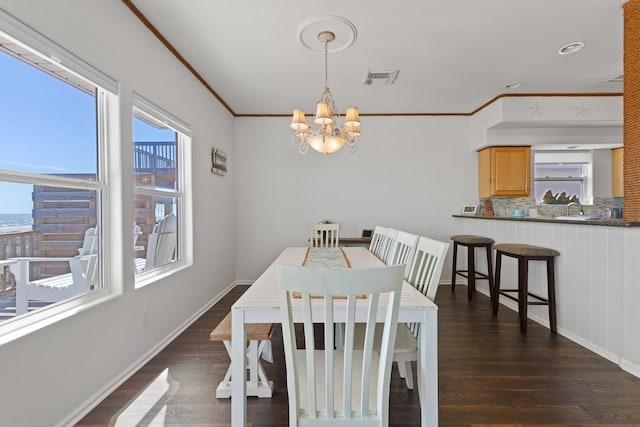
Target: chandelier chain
(326,63)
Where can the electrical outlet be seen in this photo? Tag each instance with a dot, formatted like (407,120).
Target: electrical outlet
(145,317)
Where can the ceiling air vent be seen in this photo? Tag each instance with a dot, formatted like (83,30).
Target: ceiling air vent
(381,77)
(617,79)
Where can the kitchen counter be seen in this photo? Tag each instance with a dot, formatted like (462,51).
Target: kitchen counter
(549,219)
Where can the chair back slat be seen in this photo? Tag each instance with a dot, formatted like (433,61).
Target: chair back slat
(368,351)
(288,336)
(328,360)
(310,345)
(339,385)
(347,386)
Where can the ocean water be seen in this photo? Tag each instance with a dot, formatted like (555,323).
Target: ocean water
(15,221)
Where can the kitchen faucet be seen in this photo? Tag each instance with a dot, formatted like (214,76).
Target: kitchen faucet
(575,204)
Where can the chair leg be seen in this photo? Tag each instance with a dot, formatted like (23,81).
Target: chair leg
(490,272)
(408,378)
(523,293)
(471,272)
(551,286)
(454,272)
(401,370)
(496,283)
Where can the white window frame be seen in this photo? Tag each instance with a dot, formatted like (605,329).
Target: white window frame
(181,193)
(576,157)
(107,88)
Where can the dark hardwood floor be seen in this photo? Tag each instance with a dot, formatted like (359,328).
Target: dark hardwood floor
(489,374)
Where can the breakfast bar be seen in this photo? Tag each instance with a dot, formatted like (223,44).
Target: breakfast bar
(596,277)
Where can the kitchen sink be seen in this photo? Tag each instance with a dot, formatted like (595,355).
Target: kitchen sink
(579,218)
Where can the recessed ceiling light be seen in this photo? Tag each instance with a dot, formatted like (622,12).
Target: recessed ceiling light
(571,48)
(513,85)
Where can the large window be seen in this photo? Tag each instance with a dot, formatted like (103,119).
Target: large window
(560,177)
(52,187)
(159,144)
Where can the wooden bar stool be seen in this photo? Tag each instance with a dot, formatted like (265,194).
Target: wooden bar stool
(259,336)
(524,254)
(472,242)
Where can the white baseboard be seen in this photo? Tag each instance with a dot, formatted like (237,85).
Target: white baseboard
(93,400)
(632,368)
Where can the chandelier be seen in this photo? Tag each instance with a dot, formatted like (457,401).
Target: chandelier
(328,137)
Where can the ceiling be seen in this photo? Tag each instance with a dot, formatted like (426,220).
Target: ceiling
(453,56)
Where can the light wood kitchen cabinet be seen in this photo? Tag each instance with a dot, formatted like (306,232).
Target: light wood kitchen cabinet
(617,172)
(504,171)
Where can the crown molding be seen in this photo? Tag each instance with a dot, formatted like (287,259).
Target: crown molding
(174,51)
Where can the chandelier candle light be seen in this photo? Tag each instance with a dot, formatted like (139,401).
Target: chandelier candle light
(328,137)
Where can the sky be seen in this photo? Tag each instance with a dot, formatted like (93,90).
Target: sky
(47,126)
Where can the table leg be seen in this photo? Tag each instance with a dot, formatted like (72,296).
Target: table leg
(428,369)
(238,369)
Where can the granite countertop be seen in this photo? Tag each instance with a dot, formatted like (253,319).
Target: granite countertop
(550,219)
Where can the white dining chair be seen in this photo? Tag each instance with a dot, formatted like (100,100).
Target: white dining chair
(402,250)
(324,235)
(377,240)
(424,274)
(388,244)
(338,387)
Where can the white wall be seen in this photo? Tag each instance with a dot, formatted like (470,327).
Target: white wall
(50,376)
(602,173)
(409,173)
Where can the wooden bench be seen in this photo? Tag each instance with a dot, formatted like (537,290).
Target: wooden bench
(259,337)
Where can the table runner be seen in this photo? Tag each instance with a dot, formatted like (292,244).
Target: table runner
(330,258)
(333,258)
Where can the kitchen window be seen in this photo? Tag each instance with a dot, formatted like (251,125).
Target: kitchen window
(563,176)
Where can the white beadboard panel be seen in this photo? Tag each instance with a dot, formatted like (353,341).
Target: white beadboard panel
(568,268)
(614,284)
(631,298)
(597,285)
(582,280)
(599,290)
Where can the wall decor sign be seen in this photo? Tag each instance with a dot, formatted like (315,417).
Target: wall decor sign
(218,162)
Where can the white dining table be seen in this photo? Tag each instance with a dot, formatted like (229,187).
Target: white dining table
(260,304)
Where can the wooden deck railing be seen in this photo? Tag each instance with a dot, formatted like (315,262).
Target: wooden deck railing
(157,158)
(20,243)
(154,156)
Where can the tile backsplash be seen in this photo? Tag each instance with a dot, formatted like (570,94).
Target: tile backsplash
(503,206)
